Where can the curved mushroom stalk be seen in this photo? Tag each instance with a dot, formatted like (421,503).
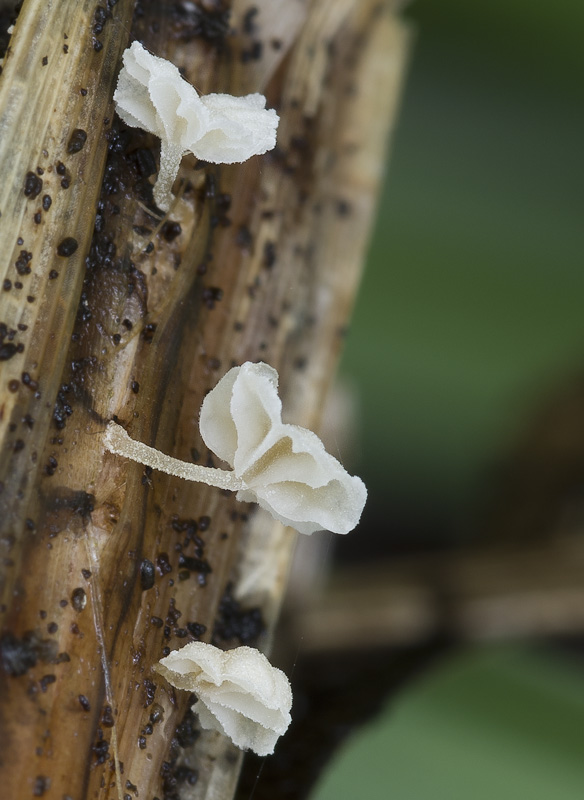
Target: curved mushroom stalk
(284,468)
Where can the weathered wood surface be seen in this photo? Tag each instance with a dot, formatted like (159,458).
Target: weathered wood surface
(258,261)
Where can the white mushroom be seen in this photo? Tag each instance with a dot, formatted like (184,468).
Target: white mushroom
(282,467)
(239,693)
(151,94)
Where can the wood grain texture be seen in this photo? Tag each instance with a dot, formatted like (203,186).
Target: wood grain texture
(104,564)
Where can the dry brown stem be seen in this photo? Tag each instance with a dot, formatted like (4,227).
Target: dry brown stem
(101,569)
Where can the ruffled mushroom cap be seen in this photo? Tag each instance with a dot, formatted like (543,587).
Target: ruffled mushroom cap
(284,468)
(239,127)
(151,94)
(240,694)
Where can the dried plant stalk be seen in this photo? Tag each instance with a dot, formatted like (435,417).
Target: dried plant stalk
(106,565)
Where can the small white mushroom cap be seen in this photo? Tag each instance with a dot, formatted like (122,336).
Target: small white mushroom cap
(240,694)
(151,94)
(239,127)
(283,467)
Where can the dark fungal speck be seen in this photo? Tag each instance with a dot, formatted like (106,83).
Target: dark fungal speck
(84,702)
(46,681)
(146,574)
(163,564)
(29,382)
(53,274)
(62,409)
(185,774)
(7,285)
(65,183)
(188,731)
(17,656)
(135,386)
(41,785)
(46,202)
(52,627)
(204,522)
(201,20)
(149,331)
(61,168)
(194,564)
(170,230)
(83,92)
(22,263)
(269,255)
(61,658)
(77,141)
(243,238)
(150,691)
(45,61)
(196,629)
(212,295)
(67,247)
(78,599)
(86,573)
(249,24)
(235,622)
(65,48)
(107,717)
(254,53)
(37,218)
(32,185)
(7,351)
(100,748)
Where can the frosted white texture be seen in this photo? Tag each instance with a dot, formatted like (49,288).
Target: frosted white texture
(282,467)
(239,693)
(151,94)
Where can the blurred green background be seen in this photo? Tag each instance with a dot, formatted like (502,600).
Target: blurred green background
(470,312)
(469,317)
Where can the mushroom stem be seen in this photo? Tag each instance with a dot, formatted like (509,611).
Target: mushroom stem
(170,158)
(117,441)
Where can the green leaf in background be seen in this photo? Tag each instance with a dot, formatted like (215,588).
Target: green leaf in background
(495,724)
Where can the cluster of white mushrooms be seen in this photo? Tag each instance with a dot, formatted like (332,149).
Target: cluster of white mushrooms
(284,468)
